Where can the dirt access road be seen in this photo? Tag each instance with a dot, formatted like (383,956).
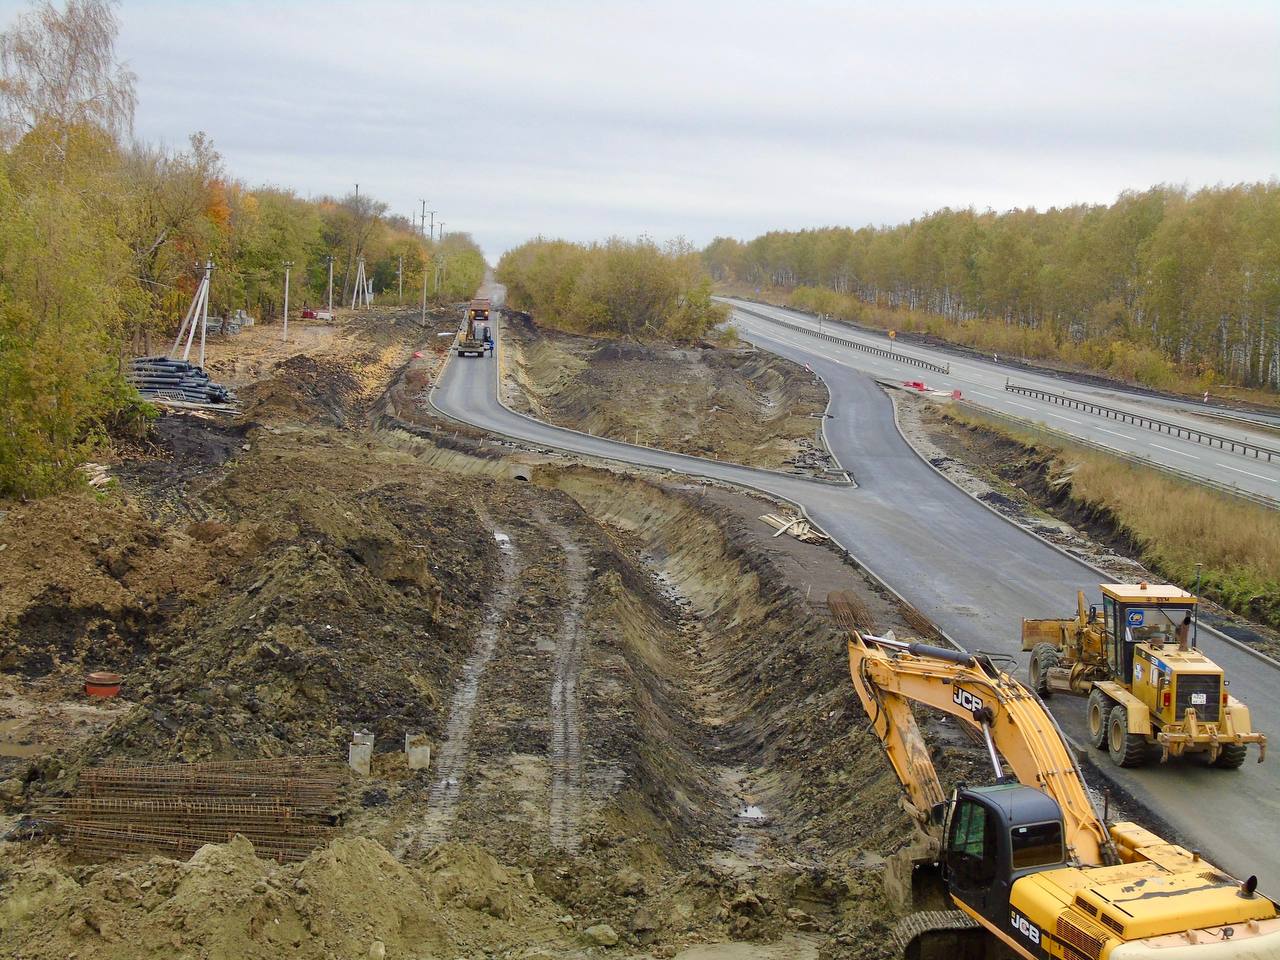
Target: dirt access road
(612,669)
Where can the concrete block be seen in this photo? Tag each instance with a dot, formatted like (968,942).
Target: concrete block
(417,750)
(360,753)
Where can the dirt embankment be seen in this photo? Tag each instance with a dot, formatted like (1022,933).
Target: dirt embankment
(728,403)
(644,735)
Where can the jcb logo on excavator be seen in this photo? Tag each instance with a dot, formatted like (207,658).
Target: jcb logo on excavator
(967,700)
(1024,927)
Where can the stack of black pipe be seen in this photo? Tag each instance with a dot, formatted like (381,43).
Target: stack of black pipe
(176,379)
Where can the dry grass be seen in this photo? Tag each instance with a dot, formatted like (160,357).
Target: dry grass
(1176,524)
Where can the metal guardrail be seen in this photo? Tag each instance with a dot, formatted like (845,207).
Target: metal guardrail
(1022,423)
(854,344)
(1242,447)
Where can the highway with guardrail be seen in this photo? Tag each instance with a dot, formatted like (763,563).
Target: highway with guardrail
(983,384)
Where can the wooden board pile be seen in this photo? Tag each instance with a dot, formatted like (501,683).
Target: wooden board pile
(798,527)
(286,807)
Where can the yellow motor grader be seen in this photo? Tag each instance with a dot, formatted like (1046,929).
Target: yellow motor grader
(1137,661)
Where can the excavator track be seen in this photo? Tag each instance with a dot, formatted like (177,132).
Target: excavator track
(910,929)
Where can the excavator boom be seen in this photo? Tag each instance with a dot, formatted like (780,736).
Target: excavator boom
(890,674)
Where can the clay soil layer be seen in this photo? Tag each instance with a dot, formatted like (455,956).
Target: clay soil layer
(731,403)
(645,742)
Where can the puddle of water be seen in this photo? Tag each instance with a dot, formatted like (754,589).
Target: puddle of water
(13,737)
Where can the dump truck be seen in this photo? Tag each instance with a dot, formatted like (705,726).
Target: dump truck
(473,335)
(1147,682)
(1028,862)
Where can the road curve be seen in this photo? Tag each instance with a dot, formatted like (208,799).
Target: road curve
(965,568)
(983,383)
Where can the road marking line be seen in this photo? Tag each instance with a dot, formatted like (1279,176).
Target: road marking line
(1024,406)
(1115,433)
(1249,473)
(1190,456)
(1061,417)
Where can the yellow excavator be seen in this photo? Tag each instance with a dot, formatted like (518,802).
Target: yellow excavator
(1028,859)
(1147,682)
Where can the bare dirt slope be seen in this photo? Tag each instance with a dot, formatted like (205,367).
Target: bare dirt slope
(732,403)
(645,740)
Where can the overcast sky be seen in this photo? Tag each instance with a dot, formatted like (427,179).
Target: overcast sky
(585,119)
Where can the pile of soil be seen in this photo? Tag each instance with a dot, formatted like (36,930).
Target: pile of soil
(728,403)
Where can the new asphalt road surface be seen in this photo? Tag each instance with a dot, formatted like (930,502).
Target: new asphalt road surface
(971,572)
(982,382)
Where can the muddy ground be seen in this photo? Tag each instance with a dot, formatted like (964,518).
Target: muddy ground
(731,403)
(645,741)
(1029,485)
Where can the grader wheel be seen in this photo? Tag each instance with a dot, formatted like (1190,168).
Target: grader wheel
(1231,757)
(1044,656)
(1098,711)
(1126,749)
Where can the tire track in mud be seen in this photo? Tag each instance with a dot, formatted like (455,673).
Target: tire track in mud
(565,800)
(451,760)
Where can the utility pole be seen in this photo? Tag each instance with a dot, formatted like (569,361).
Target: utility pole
(424,214)
(204,322)
(442,231)
(330,258)
(433,223)
(400,278)
(424,294)
(287,265)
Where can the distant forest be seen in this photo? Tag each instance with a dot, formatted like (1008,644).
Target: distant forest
(1167,287)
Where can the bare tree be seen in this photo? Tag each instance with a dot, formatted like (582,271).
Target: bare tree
(61,67)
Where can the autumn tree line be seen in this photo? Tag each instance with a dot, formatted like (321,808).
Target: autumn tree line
(636,289)
(103,238)
(1168,287)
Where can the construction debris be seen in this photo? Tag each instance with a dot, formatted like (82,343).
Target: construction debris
(284,806)
(160,378)
(798,527)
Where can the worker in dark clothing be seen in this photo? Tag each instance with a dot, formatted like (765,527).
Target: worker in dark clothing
(1183,633)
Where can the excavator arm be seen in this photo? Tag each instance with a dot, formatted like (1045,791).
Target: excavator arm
(889,675)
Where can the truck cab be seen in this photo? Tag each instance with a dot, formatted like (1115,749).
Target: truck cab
(1142,615)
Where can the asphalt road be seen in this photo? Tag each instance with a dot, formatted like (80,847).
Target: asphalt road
(968,570)
(982,383)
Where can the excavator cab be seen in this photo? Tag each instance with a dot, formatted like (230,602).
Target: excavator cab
(995,835)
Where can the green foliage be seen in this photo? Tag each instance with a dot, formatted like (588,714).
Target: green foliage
(62,305)
(1165,287)
(632,288)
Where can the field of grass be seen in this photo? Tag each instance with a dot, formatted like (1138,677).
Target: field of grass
(1175,524)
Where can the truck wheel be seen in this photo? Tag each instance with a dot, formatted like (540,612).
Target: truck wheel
(1098,711)
(1126,749)
(1043,657)
(1231,756)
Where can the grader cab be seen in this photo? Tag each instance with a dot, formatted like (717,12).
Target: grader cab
(1138,662)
